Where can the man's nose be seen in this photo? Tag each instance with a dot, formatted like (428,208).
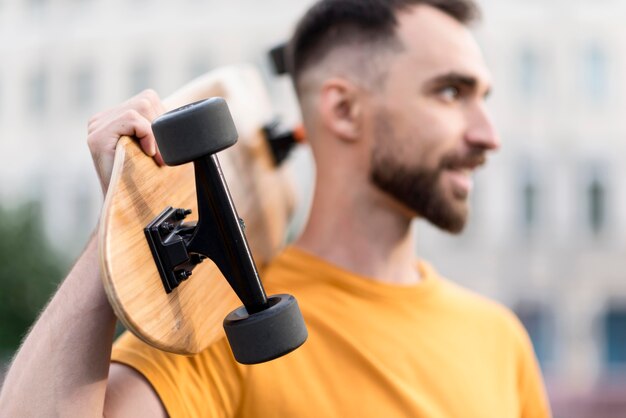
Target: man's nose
(481,132)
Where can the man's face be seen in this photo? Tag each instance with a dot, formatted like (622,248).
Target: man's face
(430,128)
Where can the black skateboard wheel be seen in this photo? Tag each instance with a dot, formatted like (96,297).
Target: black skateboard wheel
(194,131)
(266,335)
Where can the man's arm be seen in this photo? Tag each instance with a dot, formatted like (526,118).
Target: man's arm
(62,368)
(130,395)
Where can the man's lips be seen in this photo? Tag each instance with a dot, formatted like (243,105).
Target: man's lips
(460,173)
(462,182)
(466,164)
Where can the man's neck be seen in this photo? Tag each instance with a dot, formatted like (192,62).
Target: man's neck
(363,237)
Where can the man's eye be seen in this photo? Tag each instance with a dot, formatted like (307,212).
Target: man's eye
(450,93)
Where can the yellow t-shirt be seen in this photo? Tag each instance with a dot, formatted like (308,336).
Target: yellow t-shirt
(374,350)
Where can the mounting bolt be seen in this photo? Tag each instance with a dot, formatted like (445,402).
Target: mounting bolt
(183,274)
(166,227)
(181,214)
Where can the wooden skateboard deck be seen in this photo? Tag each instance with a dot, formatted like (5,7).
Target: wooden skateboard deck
(189,319)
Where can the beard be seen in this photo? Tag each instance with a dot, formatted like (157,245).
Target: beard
(417,188)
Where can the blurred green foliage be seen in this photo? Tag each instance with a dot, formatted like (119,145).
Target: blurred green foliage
(30,270)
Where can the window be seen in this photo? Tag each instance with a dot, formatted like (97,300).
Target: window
(83,88)
(596,73)
(36,7)
(615,336)
(529,64)
(529,191)
(529,196)
(539,324)
(37,96)
(596,202)
(36,4)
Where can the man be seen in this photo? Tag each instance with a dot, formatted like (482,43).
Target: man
(392,95)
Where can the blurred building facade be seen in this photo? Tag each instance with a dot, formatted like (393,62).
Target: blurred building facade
(547,235)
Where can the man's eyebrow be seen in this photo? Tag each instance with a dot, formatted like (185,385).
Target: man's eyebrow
(454,78)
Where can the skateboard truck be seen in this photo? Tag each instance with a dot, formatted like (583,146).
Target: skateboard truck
(282,139)
(168,238)
(195,133)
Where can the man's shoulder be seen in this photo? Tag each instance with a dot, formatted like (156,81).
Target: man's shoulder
(479,309)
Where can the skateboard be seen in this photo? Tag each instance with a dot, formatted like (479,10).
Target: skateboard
(174,257)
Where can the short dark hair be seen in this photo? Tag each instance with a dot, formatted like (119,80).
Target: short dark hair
(329,24)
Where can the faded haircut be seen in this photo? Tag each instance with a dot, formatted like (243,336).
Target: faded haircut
(367,26)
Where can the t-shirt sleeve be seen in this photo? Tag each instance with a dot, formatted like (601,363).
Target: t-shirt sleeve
(208,384)
(532,394)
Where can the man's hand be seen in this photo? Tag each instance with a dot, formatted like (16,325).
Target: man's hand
(67,368)
(132,118)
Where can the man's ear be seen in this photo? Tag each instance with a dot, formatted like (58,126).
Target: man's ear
(341,109)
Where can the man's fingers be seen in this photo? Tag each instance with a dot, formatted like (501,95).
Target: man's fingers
(148,144)
(143,133)
(147,104)
(159,158)
(132,118)
(148,107)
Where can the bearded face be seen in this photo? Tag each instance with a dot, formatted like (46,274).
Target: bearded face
(420,185)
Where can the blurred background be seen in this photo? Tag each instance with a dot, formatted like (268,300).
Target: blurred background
(547,236)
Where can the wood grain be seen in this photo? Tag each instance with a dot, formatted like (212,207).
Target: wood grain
(190,318)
